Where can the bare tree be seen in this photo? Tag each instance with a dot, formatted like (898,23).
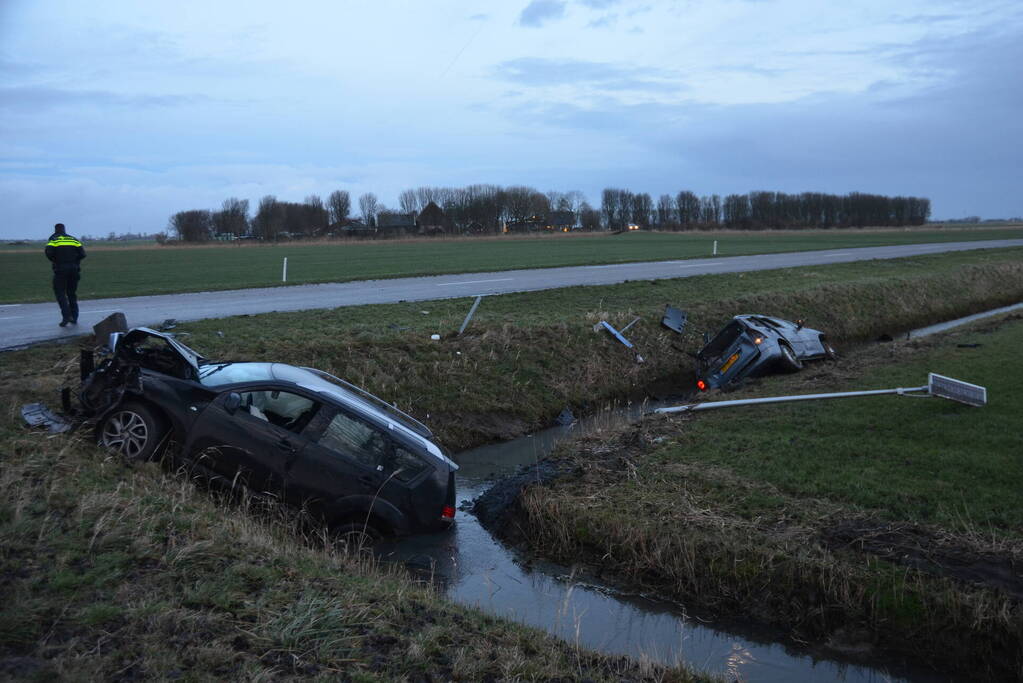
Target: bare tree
(233,217)
(339,205)
(368,207)
(317,218)
(192,226)
(666,211)
(408,202)
(269,220)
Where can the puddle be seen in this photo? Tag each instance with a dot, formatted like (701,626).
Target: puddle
(476,569)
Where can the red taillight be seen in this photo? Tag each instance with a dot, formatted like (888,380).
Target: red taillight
(448,513)
(701,385)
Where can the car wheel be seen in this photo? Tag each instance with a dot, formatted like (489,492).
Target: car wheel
(788,359)
(355,537)
(829,350)
(133,429)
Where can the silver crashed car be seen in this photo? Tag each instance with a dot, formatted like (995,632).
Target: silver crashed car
(756,345)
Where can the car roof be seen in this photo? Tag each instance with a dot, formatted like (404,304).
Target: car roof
(338,391)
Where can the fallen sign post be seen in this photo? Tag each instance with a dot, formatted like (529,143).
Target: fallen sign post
(937,385)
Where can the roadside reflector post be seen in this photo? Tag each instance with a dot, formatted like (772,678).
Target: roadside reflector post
(937,385)
(472,312)
(715,248)
(284,275)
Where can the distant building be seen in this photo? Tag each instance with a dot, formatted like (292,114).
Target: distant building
(433,221)
(391,224)
(560,221)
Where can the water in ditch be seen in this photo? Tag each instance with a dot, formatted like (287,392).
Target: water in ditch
(478,570)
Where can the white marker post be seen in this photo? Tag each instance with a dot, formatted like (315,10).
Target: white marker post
(284,275)
(715,248)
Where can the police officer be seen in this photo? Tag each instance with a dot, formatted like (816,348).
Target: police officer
(66,254)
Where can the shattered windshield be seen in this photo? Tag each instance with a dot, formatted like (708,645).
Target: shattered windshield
(216,374)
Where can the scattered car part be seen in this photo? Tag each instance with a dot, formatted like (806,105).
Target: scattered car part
(115,322)
(756,345)
(38,415)
(618,335)
(674,319)
(300,434)
(937,385)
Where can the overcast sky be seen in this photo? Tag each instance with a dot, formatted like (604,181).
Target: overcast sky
(114,115)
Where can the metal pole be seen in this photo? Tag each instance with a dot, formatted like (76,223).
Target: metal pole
(692,407)
(465,323)
(284,275)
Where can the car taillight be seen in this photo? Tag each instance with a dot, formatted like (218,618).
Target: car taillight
(701,385)
(448,513)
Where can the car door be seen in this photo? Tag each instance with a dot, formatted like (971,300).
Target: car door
(345,455)
(251,435)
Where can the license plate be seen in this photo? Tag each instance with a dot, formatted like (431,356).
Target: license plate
(730,362)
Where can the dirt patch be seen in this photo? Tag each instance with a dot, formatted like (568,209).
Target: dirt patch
(497,506)
(928,550)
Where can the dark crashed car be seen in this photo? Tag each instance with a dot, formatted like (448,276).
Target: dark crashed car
(757,345)
(306,437)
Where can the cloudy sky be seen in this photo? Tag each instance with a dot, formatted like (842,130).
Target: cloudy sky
(113,115)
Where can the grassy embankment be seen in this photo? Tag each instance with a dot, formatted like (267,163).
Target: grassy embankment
(109,570)
(879,523)
(126,271)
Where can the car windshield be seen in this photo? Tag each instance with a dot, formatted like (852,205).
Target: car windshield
(216,374)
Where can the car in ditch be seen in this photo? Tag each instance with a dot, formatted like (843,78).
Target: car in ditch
(298,434)
(757,345)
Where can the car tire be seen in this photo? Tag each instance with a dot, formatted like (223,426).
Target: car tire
(789,361)
(355,537)
(132,429)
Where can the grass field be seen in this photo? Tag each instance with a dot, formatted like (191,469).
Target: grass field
(127,271)
(893,518)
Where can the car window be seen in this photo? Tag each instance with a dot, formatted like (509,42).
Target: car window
(405,465)
(282,408)
(355,439)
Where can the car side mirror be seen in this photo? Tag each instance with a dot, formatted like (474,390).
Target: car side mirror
(232,402)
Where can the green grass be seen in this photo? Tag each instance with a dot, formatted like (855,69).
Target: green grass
(116,272)
(927,461)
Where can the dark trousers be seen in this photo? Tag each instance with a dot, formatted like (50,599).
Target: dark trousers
(65,288)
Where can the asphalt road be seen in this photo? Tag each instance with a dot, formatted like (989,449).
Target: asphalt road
(24,324)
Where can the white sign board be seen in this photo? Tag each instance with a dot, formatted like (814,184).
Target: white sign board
(956,390)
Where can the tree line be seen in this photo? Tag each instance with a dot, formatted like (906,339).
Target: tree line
(492,208)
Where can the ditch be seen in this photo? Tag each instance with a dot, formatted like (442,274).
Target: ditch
(476,569)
